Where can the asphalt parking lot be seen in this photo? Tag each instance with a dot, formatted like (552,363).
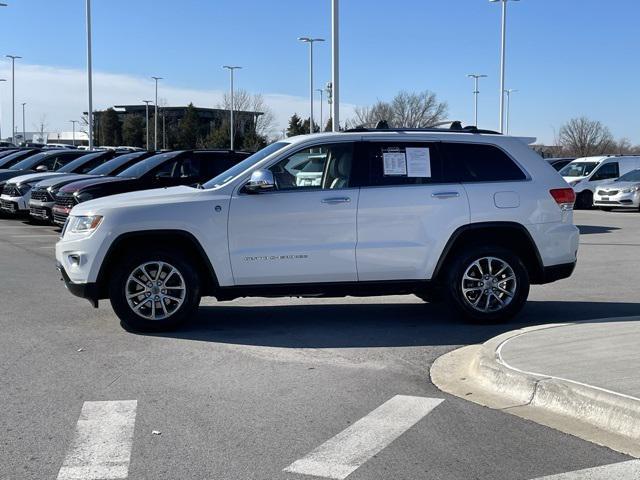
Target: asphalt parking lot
(254,386)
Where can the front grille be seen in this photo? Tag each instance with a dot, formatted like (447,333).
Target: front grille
(67,201)
(610,193)
(60,218)
(41,195)
(39,212)
(8,206)
(11,191)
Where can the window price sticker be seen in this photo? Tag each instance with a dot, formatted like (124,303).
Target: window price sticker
(418,162)
(395,163)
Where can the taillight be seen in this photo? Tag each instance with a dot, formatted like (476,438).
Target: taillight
(564,197)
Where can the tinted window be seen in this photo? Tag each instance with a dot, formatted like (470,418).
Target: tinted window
(24,163)
(403,163)
(118,164)
(607,171)
(140,168)
(468,162)
(85,163)
(632,176)
(578,169)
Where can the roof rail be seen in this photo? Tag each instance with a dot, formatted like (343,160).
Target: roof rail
(469,129)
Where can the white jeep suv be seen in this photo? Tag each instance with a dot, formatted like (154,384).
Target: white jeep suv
(466,215)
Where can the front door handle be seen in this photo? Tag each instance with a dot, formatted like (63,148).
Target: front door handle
(336,200)
(443,195)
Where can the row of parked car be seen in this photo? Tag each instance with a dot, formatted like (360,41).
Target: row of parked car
(605,182)
(47,184)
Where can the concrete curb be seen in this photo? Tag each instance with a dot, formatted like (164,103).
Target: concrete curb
(479,374)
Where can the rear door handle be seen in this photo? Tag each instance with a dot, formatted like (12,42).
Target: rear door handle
(443,195)
(336,200)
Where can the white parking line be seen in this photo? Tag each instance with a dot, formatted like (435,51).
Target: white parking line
(343,454)
(619,471)
(101,447)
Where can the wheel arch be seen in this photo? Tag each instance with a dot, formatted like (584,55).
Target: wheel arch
(511,235)
(188,243)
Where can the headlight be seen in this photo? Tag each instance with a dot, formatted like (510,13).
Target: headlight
(631,190)
(85,224)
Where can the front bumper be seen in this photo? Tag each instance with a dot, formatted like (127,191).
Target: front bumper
(624,200)
(41,210)
(89,291)
(13,205)
(60,214)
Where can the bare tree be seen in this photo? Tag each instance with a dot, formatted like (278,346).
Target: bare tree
(582,137)
(405,110)
(244,101)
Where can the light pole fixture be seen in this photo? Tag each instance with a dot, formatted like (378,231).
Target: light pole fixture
(508,93)
(310,41)
(147,102)
(503,52)
(231,69)
(321,92)
(89,75)
(155,119)
(335,66)
(24,130)
(1,80)
(73,135)
(476,92)
(13,96)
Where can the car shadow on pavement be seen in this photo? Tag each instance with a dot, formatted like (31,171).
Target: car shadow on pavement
(372,325)
(589,229)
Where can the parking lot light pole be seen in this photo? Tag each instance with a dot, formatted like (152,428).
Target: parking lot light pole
(89,76)
(147,102)
(24,132)
(503,50)
(476,92)
(335,67)
(321,92)
(73,126)
(1,80)
(310,41)
(13,97)
(155,119)
(508,92)
(231,68)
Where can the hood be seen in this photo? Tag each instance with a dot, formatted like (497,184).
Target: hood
(31,177)
(618,186)
(140,198)
(7,174)
(91,182)
(62,179)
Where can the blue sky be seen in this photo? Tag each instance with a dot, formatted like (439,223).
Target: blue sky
(566,57)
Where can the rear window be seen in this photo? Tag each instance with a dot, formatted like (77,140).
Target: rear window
(469,162)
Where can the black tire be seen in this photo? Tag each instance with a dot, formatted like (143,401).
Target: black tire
(513,303)
(176,314)
(584,201)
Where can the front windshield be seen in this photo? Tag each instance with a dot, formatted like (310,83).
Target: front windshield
(138,169)
(80,162)
(110,166)
(632,176)
(29,162)
(578,169)
(247,163)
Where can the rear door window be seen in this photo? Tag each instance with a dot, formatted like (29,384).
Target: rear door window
(403,163)
(469,163)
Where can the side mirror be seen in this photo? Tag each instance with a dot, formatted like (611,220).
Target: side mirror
(260,181)
(41,168)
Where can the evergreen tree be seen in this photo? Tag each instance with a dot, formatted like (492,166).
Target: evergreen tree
(295,126)
(329,126)
(305,127)
(189,129)
(133,133)
(110,129)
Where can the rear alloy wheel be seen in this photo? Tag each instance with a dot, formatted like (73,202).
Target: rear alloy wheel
(584,201)
(154,292)
(488,284)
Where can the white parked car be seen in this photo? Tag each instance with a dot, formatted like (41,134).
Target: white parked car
(471,216)
(586,174)
(624,192)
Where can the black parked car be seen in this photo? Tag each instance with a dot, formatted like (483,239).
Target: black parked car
(182,167)
(559,163)
(8,160)
(43,193)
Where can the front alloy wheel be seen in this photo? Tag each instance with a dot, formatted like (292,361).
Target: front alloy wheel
(154,291)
